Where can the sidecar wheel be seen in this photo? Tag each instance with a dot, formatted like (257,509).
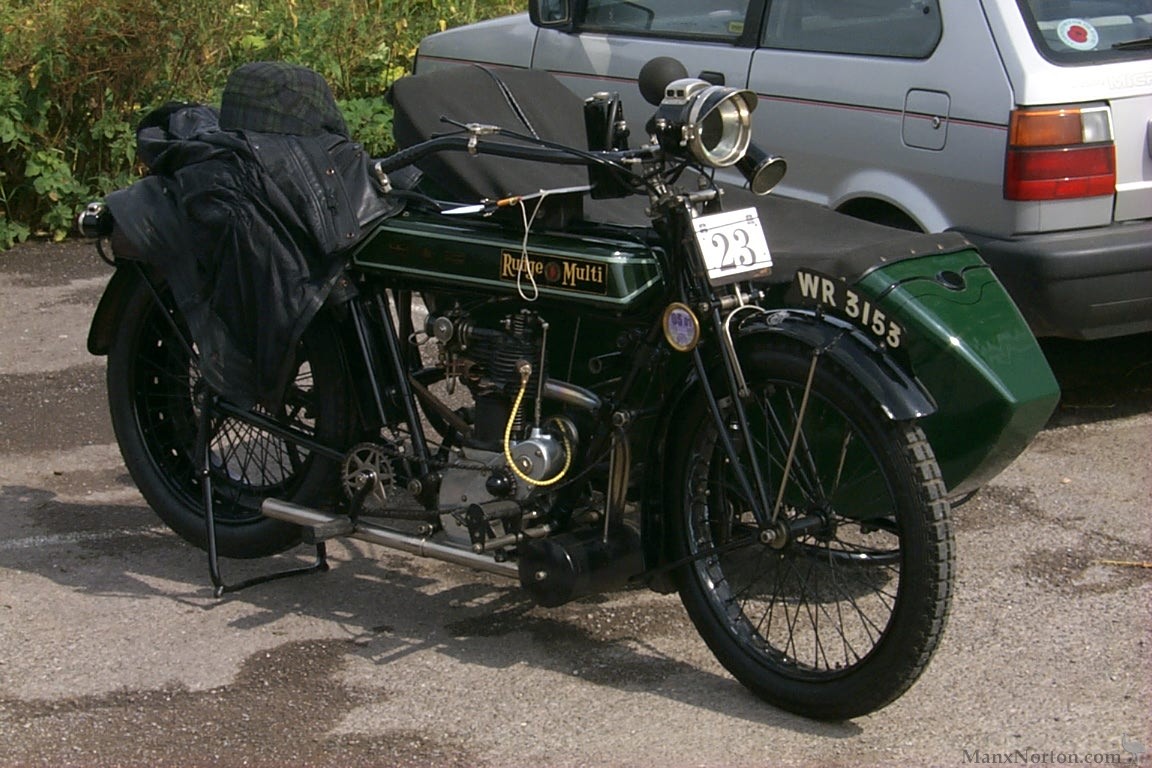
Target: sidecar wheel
(842,619)
(152,390)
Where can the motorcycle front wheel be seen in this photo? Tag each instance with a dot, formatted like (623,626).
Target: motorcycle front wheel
(154,385)
(839,618)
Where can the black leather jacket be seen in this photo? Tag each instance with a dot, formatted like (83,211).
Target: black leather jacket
(249,228)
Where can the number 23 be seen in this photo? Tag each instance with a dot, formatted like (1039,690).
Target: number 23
(735,252)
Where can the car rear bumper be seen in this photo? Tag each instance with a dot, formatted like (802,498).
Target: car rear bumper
(1082,284)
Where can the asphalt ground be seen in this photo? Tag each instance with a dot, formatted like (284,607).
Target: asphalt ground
(114,652)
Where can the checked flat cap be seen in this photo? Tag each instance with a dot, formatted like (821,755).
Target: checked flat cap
(278,97)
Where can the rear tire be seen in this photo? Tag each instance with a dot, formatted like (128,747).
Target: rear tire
(153,388)
(842,619)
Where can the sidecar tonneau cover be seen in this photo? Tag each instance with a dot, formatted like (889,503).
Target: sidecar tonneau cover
(809,235)
(805,234)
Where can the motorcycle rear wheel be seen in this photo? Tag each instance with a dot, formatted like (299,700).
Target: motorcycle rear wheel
(842,619)
(153,388)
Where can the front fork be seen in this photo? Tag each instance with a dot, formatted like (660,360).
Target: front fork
(725,309)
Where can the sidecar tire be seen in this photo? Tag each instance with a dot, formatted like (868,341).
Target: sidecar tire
(151,385)
(840,621)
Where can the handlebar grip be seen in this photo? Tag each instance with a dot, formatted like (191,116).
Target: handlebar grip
(470,142)
(410,155)
(94,221)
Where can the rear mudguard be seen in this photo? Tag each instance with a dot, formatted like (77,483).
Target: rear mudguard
(899,396)
(107,317)
(125,282)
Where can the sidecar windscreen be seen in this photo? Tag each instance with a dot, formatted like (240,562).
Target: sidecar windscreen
(529,102)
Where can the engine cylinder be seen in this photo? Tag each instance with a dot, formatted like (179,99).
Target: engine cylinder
(499,355)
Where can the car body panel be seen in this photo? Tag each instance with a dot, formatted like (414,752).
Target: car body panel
(855,106)
(1125,86)
(1132,121)
(463,45)
(917,138)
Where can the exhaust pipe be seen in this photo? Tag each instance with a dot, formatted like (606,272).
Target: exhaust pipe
(326,525)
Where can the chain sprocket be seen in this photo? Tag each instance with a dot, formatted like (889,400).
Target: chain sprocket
(364,458)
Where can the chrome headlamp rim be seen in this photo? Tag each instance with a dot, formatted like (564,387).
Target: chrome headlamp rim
(712,122)
(734,108)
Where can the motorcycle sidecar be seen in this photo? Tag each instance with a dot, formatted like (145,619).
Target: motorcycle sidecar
(933,302)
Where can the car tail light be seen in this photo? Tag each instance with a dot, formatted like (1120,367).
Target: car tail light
(1056,153)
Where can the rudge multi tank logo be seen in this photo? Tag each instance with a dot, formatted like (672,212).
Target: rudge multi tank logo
(554,272)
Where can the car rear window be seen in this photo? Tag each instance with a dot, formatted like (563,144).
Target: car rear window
(690,19)
(1090,31)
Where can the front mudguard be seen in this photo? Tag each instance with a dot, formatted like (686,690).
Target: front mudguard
(898,395)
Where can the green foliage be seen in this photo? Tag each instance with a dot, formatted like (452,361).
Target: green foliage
(76,76)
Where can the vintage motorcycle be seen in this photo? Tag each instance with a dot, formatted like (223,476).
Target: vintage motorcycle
(546,354)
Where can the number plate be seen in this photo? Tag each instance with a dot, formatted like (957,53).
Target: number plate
(733,246)
(817,289)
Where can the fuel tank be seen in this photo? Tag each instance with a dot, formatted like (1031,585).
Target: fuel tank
(582,268)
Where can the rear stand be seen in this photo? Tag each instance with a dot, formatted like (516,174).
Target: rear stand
(204,451)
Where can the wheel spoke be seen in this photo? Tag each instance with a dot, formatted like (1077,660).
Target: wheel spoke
(247,462)
(823,604)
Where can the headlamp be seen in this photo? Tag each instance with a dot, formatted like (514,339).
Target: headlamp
(712,123)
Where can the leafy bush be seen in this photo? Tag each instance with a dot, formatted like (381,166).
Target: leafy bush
(76,76)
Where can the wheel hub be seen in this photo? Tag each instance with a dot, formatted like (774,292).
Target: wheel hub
(816,523)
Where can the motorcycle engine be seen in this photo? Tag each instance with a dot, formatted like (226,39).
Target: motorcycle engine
(502,365)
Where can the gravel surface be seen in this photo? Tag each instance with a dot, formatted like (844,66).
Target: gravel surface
(113,651)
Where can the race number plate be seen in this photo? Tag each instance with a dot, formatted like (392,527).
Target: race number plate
(733,246)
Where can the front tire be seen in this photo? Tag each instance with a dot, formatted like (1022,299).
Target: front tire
(843,618)
(154,385)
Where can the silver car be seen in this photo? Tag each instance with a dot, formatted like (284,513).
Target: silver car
(1024,124)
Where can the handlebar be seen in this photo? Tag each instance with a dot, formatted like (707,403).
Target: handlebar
(472,143)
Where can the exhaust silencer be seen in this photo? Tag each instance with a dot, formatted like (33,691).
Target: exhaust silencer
(561,568)
(553,571)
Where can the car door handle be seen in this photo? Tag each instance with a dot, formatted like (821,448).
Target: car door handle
(716,78)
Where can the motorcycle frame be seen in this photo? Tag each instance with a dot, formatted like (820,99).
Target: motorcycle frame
(683,265)
(381,368)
